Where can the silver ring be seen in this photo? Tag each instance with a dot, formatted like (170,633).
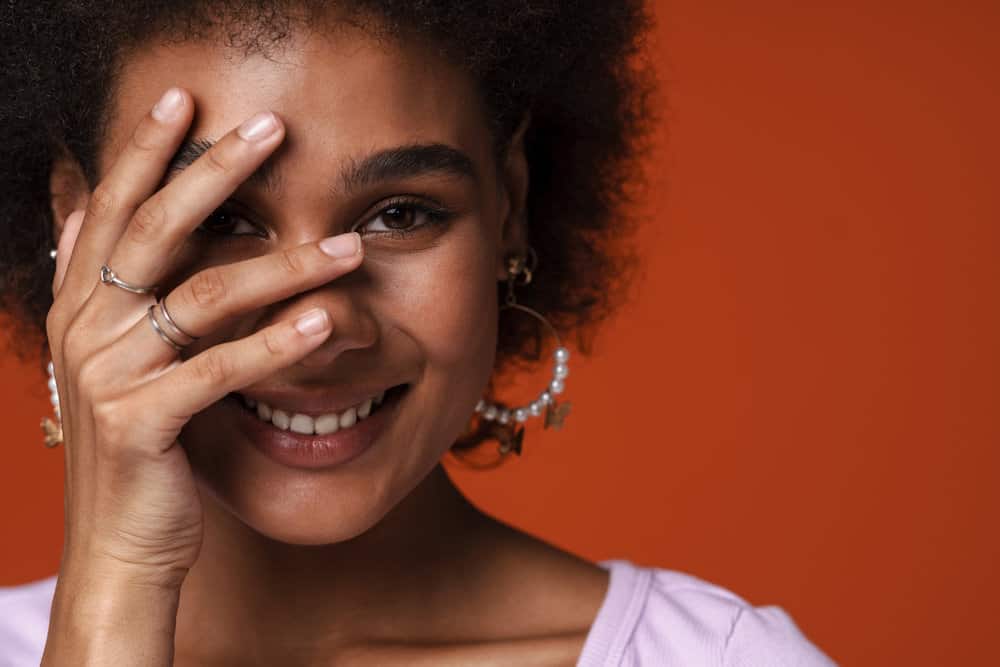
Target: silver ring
(173,325)
(108,277)
(160,332)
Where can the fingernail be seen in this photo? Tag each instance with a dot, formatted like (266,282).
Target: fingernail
(168,106)
(313,322)
(259,127)
(341,246)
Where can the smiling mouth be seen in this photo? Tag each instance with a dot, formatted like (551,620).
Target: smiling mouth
(286,419)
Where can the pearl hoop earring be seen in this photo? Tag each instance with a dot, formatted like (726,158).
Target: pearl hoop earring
(53,429)
(520,271)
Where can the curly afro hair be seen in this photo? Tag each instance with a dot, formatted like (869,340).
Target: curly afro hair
(577,67)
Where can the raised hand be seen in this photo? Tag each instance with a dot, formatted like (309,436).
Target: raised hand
(133,518)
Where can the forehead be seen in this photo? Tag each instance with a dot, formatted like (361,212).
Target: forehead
(340,93)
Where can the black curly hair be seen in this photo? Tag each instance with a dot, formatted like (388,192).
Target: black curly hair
(577,66)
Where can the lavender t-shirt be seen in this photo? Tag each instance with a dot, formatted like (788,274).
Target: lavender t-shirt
(649,617)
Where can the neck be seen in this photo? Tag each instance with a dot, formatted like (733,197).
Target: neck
(246,587)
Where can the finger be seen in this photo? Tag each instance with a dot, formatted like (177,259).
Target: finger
(132,178)
(206,378)
(208,298)
(160,226)
(201,303)
(64,251)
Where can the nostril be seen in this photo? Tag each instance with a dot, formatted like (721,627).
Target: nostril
(354,327)
(326,353)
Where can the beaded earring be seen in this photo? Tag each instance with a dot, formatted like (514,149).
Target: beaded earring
(519,272)
(53,429)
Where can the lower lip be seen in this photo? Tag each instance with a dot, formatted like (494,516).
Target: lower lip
(297,450)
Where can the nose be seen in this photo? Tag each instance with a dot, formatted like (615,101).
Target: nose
(354,326)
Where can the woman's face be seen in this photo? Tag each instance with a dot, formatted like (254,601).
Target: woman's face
(420,310)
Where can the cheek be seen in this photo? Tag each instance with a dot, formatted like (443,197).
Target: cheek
(441,298)
(444,299)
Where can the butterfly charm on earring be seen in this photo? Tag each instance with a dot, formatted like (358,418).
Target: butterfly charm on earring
(511,441)
(507,427)
(555,414)
(53,432)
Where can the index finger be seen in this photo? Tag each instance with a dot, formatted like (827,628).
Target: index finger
(132,178)
(162,224)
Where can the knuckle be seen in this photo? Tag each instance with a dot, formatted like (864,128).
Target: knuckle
(110,422)
(272,342)
(207,288)
(102,201)
(145,137)
(216,162)
(54,322)
(291,262)
(213,368)
(90,375)
(75,343)
(147,222)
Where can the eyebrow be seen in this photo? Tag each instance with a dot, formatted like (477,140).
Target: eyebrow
(392,163)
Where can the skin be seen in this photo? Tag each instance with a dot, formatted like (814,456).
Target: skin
(206,551)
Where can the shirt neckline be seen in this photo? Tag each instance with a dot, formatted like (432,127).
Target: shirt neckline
(617,617)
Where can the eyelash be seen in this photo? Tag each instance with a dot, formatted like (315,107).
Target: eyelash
(435,216)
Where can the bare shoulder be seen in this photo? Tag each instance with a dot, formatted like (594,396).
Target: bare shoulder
(555,597)
(531,590)
(536,588)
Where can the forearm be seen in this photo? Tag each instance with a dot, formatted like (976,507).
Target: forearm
(97,622)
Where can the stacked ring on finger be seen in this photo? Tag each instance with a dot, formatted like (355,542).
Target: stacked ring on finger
(109,277)
(168,323)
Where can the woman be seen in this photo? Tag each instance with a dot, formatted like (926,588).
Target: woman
(285,234)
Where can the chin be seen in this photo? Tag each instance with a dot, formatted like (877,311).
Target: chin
(305,518)
(315,489)
(310,504)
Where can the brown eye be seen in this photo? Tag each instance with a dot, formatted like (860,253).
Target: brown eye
(398,217)
(402,218)
(228,223)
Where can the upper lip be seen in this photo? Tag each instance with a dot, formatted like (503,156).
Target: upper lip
(314,401)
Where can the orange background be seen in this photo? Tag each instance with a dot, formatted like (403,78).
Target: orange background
(800,404)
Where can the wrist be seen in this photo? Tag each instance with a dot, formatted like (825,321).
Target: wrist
(104,567)
(103,618)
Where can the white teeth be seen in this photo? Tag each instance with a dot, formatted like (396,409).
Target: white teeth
(327,424)
(281,419)
(307,425)
(301,424)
